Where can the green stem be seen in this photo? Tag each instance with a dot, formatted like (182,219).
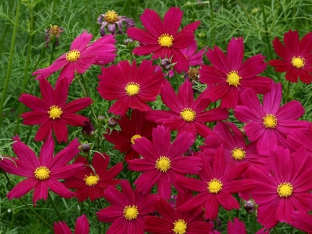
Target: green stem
(275,231)
(28,206)
(84,89)
(81,208)
(287,92)
(266,33)
(55,208)
(8,75)
(213,31)
(229,216)
(12,220)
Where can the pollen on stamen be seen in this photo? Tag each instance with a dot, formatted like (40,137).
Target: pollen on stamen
(73,55)
(136,136)
(132,89)
(163,164)
(285,189)
(233,78)
(179,227)
(92,180)
(42,173)
(131,212)
(188,114)
(55,112)
(165,40)
(297,62)
(269,121)
(214,186)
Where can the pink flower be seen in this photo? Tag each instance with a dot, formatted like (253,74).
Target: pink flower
(162,37)
(163,161)
(81,56)
(193,58)
(81,227)
(52,112)
(41,173)
(269,124)
(229,75)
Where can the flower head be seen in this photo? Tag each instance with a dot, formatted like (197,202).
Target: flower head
(81,227)
(81,56)
(53,33)
(269,124)
(130,85)
(296,57)
(94,179)
(52,112)
(41,173)
(163,161)
(131,129)
(111,19)
(162,37)
(186,114)
(229,75)
(127,209)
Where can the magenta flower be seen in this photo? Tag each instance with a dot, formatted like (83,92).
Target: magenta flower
(41,173)
(95,178)
(296,139)
(173,221)
(163,161)
(284,189)
(52,112)
(81,56)
(296,57)
(193,58)
(130,86)
(185,114)
(269,124)
(229,76)
(215,186)
(162,37)
(127,209)
(81,227)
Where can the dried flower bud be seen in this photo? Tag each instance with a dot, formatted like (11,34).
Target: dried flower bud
(85,147)
(112,122)
(249,206)
(88,129)
(53,33)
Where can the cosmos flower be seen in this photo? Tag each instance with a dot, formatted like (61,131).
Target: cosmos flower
(296,57)
(95,178)
(41,173)
(80,57)
(127,210)
(229,75)
(130,85)
(269,124)
(185,114)
(215,186)
(284,188)
(173,221)
(193,58)
(163,161)
(81,227)
(111,19)
(52,112)
(162,37)
(131,129)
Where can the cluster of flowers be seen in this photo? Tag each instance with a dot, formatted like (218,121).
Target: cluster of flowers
(268,161)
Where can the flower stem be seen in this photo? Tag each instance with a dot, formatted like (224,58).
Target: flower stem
(229,216)
(55,208)
(267,39)
(287,92)
(213,31)
(8,75)
(84,89)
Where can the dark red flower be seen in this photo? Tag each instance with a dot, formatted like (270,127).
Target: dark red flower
(52,112)
(94,179)
(162,37)
(81,227)
(131,129)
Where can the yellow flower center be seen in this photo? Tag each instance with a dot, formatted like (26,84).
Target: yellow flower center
(135,137)
(180,226)
(269,121)
(238,153)
(111,17)
(188,114)
(72,56)
(163,164)
(55,112)
(165,40)
(233,78)
(297,62)
(92,180)
(131,212)
(285,189)
(214,186)
(132,88)
(42,173)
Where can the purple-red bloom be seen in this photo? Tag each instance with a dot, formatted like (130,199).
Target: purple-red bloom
(269,124)
(163,161)
(215,186)
(283,189)
(185,114)
(173,221)
(193,58)
(127,209)
(229,75)
(52,112)
(81,227)
(41,173)
(94,179)
(130,86)
(296,57)
(81,56)
(131,129)
(162,37)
